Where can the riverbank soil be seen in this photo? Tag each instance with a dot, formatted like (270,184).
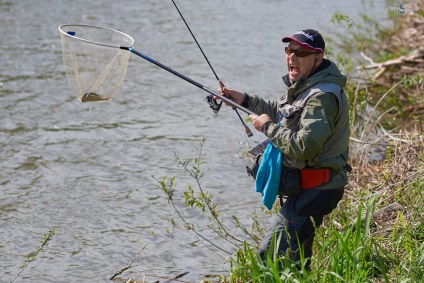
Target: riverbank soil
(397,87)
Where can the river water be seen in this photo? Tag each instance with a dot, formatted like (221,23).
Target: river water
(88,169)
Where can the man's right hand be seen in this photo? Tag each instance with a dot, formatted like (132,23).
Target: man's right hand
(234,95)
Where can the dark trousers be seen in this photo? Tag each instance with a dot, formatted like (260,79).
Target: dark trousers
(293,223)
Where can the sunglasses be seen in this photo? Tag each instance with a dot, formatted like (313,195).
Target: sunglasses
(299,52)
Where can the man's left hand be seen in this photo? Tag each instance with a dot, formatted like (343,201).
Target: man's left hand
(259,121)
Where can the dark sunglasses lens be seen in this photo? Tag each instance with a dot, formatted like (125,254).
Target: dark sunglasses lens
(298,53)
(302,53)
(288,51)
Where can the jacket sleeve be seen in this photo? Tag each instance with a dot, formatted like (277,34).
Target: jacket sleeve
(260,106)
(316,126)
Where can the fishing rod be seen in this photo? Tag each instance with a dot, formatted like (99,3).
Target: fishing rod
(212,102)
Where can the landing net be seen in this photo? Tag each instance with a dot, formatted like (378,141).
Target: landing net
(94,63)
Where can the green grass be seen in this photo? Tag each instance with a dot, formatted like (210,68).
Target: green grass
(356,242)
(358,252)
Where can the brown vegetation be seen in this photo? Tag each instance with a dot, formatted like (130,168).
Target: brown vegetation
(401,146)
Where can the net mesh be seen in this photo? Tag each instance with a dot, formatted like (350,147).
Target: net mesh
(94,63)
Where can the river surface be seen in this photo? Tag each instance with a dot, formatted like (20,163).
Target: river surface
(88,169)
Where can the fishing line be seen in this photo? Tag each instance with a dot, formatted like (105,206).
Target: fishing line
(214,107)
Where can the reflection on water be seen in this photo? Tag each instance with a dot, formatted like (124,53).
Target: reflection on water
(86,168)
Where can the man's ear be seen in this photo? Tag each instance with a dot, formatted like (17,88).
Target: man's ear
(318,58)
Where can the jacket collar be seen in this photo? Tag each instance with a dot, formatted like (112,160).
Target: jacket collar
(325,64)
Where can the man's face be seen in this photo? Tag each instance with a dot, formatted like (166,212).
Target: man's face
(300,67)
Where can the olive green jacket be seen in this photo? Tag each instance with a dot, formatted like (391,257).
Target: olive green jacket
(315,130)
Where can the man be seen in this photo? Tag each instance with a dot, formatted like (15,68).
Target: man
(313,137)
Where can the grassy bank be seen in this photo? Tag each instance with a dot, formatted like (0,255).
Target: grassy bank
(377,232)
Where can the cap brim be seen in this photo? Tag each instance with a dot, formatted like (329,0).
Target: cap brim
(287,39)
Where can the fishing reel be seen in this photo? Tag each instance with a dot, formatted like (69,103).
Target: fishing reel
(215,106)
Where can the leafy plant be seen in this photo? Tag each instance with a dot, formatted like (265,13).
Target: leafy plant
(32,256)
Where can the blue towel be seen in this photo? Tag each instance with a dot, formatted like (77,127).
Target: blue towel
(268,176)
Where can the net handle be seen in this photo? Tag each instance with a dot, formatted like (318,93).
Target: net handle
(129,48)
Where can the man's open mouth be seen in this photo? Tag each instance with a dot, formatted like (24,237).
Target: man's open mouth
(294,69)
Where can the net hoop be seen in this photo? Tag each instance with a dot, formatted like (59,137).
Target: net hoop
(62,29)
(95,59)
